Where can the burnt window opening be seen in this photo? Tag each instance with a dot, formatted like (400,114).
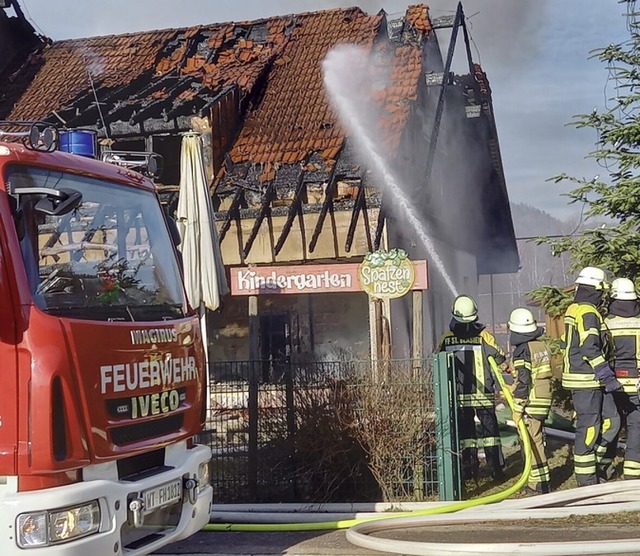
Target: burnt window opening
(346,189)
(168,147)
(133,144)
(275,346)
(315,193)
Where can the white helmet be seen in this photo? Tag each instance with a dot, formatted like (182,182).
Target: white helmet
(623,288)
(592,276)
(464,309)
(521,320)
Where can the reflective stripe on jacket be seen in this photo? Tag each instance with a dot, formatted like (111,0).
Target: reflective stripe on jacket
(474,377)
(625,332)
(533,380)
(584,346)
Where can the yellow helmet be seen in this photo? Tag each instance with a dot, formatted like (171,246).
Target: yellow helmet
(623,289)
(464,309)
(521,320)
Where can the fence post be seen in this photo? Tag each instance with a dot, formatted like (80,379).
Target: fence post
(447,445)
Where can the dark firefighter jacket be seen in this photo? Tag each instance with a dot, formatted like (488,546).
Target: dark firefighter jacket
(584,354)
(623,324)
(472,345)
(532,363)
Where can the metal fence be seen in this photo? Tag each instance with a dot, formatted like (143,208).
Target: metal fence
(345,431)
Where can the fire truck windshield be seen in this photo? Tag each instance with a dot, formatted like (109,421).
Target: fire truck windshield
(110,257)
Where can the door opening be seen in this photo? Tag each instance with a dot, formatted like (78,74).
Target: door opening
(275,346)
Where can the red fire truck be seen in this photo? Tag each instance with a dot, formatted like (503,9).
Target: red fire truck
(102,361)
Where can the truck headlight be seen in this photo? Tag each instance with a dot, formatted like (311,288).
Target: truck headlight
(204,476)
(56,526)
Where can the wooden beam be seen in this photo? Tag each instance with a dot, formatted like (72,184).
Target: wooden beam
(380,226)
(326,205)
(357,207)
(417,343)
(293,210)
(265,208)
(232,212)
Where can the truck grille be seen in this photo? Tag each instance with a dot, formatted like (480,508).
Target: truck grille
(128,434)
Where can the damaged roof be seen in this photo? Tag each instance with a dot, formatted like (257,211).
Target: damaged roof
(275,136)
(146,82)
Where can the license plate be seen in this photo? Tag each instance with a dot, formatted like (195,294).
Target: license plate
(162,495)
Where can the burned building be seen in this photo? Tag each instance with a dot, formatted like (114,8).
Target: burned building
(298,205)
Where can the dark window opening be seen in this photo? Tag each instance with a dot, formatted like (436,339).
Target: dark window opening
(137,144)
(275,346)
(168,147)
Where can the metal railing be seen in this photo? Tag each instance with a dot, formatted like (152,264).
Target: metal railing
(338,431)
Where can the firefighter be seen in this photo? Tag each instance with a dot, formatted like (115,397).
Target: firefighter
(587,374)
(531,363)
(471,345)
(623,323)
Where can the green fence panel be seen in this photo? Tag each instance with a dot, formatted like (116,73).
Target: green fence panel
(449,480)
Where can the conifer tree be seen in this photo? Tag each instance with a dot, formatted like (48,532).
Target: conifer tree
(613,196)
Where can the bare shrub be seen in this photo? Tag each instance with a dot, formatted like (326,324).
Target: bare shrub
(393,421)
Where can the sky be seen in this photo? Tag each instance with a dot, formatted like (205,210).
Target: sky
(536,54)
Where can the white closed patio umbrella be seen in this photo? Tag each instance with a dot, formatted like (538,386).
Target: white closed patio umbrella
(204,276)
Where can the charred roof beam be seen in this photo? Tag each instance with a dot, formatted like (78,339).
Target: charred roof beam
(327,206)
(154,108)
(360,205)
(294,209)
(382,216)
(265,209)
(233,212)
(458,21)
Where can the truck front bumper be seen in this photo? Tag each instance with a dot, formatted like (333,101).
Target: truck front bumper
(136,516)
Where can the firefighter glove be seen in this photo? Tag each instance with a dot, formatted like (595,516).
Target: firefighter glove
(607,377)
(612,384)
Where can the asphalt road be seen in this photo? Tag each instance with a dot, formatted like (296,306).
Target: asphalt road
(332,543)
(258,544)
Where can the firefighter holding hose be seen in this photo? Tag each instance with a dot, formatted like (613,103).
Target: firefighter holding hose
(531,363)
(472,344)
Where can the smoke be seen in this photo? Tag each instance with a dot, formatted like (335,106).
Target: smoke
(507,33)
(350,74)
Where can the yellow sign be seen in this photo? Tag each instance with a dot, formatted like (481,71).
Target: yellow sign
(387,274)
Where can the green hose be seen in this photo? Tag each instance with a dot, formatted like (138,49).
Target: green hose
(449,508)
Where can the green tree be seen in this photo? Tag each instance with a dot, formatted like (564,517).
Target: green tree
(615,199)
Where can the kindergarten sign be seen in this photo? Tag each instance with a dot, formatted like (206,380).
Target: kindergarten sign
(318,278)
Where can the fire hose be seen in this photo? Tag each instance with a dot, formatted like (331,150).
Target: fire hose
(602,498)
(432,511)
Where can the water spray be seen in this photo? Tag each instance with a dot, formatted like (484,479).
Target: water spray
(343,68)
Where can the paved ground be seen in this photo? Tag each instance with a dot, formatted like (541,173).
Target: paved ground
(333,543)
(258,544)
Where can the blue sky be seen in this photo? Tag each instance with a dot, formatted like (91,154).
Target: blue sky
(535,53)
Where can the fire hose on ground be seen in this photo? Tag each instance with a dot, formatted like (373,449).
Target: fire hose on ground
(609,498)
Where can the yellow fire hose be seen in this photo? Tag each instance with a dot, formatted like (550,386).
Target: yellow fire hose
(449,508)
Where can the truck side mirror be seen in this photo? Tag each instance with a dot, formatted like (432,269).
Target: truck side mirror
(55,202)
(58,206)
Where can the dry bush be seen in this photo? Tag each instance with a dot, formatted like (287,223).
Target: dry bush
(305,454)
(393,421)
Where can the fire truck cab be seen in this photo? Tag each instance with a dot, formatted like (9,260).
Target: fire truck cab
(102,362)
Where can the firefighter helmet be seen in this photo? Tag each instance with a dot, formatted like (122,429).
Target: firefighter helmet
(464,309)
(592,276)
(623,289)
(521,320)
